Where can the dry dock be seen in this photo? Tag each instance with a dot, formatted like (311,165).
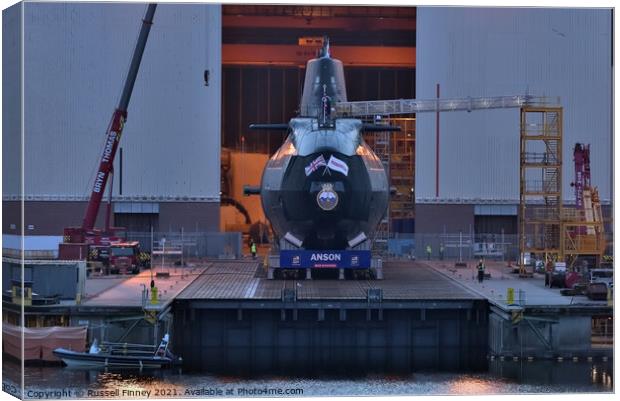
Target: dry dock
(227,317)
(244,280)
(232,319)
(421,316)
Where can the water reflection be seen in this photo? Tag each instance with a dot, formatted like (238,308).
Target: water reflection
(567,373)
(505,377)
(602,376)
(468,385)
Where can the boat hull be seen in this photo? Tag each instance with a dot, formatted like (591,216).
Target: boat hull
(85,360)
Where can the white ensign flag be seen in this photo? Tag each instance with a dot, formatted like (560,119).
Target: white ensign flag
(338,165)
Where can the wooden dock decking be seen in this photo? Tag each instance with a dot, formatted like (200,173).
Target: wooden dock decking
(242,280)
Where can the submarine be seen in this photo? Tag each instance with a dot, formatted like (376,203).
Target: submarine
(324,189)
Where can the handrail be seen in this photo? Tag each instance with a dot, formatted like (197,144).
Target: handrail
(411,106)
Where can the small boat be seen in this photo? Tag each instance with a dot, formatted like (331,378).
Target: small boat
(119,355)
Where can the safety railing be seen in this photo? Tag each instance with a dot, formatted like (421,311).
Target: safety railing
(411,106)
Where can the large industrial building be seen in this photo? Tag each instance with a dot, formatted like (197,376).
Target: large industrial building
(210,70)
(76,56)
(477,52)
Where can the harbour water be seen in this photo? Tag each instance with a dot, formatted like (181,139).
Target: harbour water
(503,377)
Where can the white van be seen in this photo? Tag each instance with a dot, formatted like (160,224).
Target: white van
(605,276)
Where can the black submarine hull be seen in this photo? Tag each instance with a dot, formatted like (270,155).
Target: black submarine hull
(324,189)
(325,209)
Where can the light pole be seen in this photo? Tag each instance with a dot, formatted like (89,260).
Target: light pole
(460,246)
(145,291)
(182,264)
(163,252)
(152,258)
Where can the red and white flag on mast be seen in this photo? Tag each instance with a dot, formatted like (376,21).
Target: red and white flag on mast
(338,165)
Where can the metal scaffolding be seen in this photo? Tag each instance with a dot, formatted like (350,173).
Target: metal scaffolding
(543,229)
(396,150)
(402,168)
(540,195)
(583,235)
(380,143)
(583,230)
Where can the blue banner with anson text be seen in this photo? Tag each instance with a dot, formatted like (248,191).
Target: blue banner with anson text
(298,259)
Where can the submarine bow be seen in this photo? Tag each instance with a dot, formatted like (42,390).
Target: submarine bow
(324,188)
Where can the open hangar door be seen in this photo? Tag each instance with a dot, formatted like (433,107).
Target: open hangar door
(264,53)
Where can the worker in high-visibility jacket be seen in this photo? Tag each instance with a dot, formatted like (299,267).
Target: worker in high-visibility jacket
(154,293)
(253,250)
(481,270)
(429,251)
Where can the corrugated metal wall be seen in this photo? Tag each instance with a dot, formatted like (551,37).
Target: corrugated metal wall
(11,100)
(492,52)
(77,56)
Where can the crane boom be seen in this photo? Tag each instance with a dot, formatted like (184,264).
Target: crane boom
(115,129)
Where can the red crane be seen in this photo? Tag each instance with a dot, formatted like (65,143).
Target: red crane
(581,156)
(77,239)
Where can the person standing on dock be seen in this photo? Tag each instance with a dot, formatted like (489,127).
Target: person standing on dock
(253,250)
(440,251)
(481,270)
(429,251)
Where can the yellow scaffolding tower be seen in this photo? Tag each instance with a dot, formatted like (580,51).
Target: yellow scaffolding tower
(396,150)
(402,168)
(583,231)
(540,199)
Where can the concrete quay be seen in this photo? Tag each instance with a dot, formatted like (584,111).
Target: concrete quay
(539,322)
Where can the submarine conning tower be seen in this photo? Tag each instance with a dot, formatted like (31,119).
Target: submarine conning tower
(324,77)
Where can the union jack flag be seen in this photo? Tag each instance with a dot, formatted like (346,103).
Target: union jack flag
(316,163)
